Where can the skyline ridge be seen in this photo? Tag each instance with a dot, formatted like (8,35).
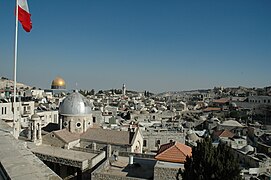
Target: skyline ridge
(2,85)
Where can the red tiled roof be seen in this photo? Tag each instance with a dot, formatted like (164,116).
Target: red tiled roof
(221,100)
(208,109)
(173,152)
(223,133)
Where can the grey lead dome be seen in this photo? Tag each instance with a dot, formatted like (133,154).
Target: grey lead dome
(75,104)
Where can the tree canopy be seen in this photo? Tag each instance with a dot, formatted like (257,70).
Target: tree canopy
(208,162)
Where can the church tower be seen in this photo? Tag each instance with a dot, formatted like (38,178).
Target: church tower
(34,129)
(123,90)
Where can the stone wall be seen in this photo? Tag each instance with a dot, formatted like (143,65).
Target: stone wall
(139,155)
(51,139)
(97,115)
(161,173)
(97,175)
(18,162)
(151,139)
(62,161)
(102,146)
(97,159)
(48,117)
(72,144)
(77,124)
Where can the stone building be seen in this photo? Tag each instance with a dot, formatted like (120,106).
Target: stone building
(153,139)
(75,113)
(24,110)
(171,157)
(125,141)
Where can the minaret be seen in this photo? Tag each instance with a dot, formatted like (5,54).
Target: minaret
(123,90)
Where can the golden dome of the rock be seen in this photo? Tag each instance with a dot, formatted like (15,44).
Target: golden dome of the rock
(58,83)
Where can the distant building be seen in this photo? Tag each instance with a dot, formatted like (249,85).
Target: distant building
(58,83)
(123,90)
(23,111)
(58,86)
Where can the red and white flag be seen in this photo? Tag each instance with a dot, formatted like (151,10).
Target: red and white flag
(24,15)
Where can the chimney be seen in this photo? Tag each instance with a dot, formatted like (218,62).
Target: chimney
(94,146)
(131,160)
(108,150)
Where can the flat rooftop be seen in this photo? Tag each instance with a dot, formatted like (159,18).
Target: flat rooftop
(142,168)
(63,153)
(19,162)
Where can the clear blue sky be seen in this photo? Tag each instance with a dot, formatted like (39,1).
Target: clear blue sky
(156,45)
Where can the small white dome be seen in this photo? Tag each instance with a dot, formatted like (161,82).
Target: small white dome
(247,148)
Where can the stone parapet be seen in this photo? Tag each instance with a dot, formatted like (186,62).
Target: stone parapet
(59,160)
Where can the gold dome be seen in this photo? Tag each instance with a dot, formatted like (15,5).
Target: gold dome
(58,83)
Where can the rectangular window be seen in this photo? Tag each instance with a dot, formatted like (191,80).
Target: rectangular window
(158,142)
(55,120)
(144,143)
(2,110)
(5,110)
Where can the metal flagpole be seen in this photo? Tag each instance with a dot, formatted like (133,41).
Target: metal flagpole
(15,69)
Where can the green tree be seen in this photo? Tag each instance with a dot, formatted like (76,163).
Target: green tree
(92,92)
(208,162)
(82,92)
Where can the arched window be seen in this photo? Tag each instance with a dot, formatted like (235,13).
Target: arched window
(158,142)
